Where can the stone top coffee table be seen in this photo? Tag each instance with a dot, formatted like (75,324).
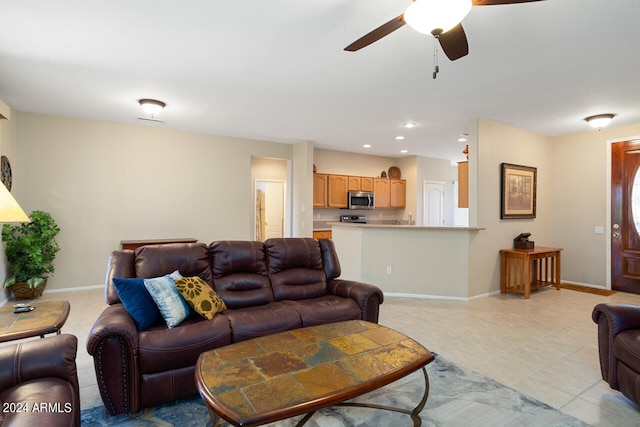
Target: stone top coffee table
(46,318)
(300,371)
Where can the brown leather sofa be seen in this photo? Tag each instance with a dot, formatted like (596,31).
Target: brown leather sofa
(268,287)
(39,383)
(619,347)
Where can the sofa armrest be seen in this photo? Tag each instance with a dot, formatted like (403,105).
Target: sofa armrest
(113,343)
(53,356)
(613,319)
(368,297)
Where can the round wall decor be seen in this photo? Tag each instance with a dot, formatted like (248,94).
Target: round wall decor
(5,172)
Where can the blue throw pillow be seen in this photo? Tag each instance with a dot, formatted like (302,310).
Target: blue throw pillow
(173,308)
(138,303)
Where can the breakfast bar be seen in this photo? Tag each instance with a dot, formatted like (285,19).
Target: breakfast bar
(407,260)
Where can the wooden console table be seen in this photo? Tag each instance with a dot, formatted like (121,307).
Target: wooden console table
(524,270)
(133,244)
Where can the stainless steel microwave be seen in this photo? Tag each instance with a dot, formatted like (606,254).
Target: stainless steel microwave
(361,200)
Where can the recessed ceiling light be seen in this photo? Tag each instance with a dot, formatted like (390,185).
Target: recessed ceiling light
(462,139)
(399,137)
(366,146)
(404,151)
(409,125)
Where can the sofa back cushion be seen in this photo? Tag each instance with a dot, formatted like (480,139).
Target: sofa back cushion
(190,259)
(295,268)
(240,273)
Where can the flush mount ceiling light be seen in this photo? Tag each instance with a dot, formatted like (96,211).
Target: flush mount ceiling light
(600,120)
(152,106)
(436,16)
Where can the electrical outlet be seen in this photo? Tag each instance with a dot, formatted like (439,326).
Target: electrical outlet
(389,269)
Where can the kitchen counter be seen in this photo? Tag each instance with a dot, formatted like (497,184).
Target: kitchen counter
(402,226)
(407,260)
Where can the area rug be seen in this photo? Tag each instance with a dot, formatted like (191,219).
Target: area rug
(457,397)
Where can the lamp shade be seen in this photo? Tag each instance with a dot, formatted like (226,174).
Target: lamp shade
(152,106)
(10,210)
(425,16)
(600,120)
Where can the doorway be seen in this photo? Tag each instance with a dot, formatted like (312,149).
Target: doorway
(433,204)
(270,205)
(625,216)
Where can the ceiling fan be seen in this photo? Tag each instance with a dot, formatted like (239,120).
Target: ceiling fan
(441,18)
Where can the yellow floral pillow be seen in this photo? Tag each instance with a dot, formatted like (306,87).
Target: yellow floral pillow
(199,295)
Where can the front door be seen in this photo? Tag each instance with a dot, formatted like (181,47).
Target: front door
(625,216)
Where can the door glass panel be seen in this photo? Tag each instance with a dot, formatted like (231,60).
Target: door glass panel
(635,201)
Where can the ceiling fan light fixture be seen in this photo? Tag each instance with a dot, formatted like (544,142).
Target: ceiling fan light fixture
(425,16)
(152,106)
(600,120)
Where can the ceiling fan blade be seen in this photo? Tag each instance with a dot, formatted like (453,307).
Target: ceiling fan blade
(495,2)
(454,43)
(377,34)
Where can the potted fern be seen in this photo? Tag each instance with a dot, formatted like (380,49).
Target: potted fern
(30,248)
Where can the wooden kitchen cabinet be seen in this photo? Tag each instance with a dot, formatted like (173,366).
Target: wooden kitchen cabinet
(366,183)
(354,183)
(337,191)
(463,184)
(397,193)
(322,234)
(390,193)
(381,193)
(320,190)
(360,183)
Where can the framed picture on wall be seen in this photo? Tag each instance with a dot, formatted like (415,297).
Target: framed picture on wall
(518,196)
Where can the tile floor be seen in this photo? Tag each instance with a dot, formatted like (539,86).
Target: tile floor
(545,347)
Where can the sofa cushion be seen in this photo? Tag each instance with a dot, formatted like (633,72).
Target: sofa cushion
(295,268)
(251,322)
(325,309)
(45,393)
(191,259)
(626,348)
(172,306)
(161,349)
(200,297)
(138,303)
(240,274)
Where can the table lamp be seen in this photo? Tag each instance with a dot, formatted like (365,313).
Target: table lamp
(10,210)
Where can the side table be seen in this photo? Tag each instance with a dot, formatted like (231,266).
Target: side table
(47,318)
(524,270)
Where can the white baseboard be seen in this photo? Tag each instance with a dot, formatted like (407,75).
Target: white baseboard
(439,297)
(80,288)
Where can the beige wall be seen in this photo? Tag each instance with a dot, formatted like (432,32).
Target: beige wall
(580,202)
(96,177)
(496,144)
(106,182)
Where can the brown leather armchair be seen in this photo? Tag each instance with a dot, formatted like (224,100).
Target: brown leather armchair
(619,346)
(39,382)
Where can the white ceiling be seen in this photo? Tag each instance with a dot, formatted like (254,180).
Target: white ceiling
(276,70)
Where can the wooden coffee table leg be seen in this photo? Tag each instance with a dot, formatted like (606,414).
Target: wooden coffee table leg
(415,413)
(216,420)
(306,418)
